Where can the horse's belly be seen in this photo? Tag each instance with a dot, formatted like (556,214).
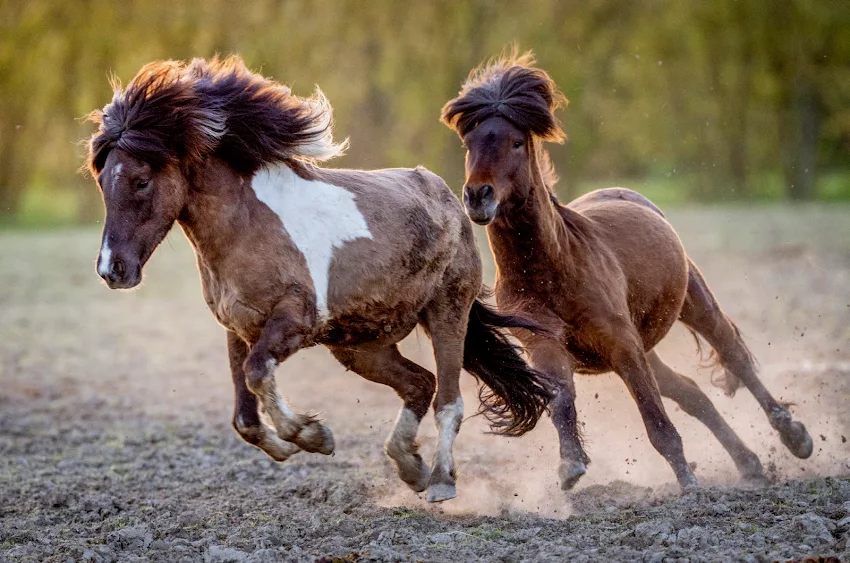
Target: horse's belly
(376,325)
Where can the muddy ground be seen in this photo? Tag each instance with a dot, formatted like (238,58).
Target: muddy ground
(115,438)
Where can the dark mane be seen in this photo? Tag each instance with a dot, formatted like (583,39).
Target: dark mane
(266,122)
(173,112)
(159,119)
(512,88)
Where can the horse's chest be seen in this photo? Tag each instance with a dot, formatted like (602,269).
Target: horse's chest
(229,308)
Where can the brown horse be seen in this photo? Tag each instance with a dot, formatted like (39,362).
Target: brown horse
(607,273)
(292,255)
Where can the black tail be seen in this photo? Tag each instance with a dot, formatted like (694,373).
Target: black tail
(515,396)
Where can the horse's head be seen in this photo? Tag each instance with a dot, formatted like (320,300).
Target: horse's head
(142,203)
(503,114)
(148,139)
(497,170)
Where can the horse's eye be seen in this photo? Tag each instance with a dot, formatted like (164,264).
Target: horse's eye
(142,184)
(518,144)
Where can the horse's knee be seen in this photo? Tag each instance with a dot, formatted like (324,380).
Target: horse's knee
(257,373)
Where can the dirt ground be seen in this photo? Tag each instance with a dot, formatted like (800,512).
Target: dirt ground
(116,445)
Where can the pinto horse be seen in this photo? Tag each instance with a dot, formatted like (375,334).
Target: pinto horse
(292,255)
(606,274)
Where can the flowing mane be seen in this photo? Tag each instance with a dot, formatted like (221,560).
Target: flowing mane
(511,87)
(176,112)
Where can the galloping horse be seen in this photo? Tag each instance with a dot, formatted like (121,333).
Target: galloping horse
(606,273)
(292,255)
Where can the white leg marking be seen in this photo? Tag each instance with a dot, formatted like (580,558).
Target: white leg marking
(318,217)
(105,258)
(403,434)
(285,420)
(448,421)
(268,440)
(401,447)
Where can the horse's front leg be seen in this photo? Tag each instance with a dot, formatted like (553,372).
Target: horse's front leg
(282,336)
(246,418)
(552,358)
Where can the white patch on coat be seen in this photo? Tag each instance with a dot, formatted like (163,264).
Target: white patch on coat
(105,258)
(318,217)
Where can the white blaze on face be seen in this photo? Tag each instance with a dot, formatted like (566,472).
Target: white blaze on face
(318,217)
(116,175)
(103,262)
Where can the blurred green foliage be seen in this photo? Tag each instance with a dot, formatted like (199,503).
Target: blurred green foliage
(722,99)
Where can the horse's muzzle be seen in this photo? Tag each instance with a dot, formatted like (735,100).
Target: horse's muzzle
(480,203)
(118,275)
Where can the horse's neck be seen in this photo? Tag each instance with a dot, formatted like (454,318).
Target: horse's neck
(529,237)
(216,214)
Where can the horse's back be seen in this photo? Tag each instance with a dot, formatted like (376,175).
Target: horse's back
(400,189)
(419,235)
(614,194)
(649,252)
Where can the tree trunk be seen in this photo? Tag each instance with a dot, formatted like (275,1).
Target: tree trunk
(802,133)
(11,188)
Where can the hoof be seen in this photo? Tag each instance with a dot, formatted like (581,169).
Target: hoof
(416,480)
(278,450)
(751,471)
(409,466)
(316,438)
(439,492)
(797,440)
(755,479)
(690,486)
(421,482)
(688,483)
(570,472)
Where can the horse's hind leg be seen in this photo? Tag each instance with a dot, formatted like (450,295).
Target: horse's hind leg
(415,385)
(445,320)
(702,313)
(552,358)
(693,401)
(246,417)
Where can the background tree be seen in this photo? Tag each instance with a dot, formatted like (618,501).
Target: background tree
(684,100)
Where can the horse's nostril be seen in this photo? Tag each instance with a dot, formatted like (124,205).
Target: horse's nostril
(486,190)
(118,268)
